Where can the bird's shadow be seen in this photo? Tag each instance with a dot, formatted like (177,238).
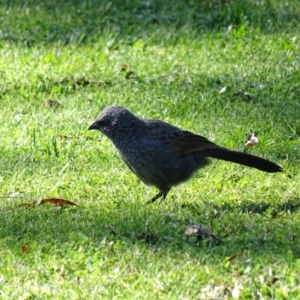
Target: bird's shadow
(155,227)
(291,205)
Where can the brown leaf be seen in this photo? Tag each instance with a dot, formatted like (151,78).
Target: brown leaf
(55,201)
(24,249)
(230,258)
(58,201)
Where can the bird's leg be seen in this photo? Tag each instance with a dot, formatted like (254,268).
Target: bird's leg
(161,194)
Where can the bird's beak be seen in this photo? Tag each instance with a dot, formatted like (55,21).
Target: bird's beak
(93,126)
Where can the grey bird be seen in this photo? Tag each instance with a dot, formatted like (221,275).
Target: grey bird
(163,155)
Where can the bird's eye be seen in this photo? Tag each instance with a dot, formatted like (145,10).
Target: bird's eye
(101,123)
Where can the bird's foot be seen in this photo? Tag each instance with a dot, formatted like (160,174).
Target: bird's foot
(161,195)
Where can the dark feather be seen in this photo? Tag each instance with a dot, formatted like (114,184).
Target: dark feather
(187,142)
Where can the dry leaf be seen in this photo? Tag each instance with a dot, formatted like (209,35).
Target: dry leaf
(88,138)
(236,290)
(55,201)
(10,197)
(58,201)
(67,138)
(124,67)
(222,90)
(52,103)
(230,258)
(199,230)
(252,139)
(28,204)
(63,137)
(24,249)
(59,276)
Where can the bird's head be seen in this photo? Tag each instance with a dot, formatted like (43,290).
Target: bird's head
(113,121)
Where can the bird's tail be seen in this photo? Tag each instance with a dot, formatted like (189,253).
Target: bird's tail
(244,159)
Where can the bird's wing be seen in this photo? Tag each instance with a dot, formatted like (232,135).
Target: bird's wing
(185,142)
(181,141)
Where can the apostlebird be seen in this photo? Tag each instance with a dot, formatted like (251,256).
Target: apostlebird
(163,155)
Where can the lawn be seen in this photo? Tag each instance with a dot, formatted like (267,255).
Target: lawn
(216,68)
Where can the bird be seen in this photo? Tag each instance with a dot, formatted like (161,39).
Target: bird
(163,155)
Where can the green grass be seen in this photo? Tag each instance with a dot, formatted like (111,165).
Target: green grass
(183,55)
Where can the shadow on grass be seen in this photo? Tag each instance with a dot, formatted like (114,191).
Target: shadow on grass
(292,205)
(73,21)
(272,210)
(262,229)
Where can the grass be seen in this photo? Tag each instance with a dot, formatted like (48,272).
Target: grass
(216,68)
